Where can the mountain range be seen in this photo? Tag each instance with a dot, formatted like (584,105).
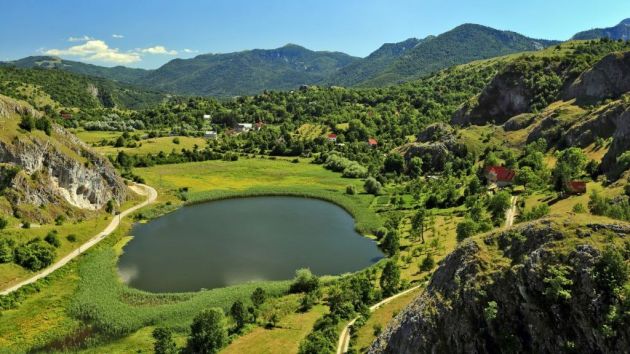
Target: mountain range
(253,71)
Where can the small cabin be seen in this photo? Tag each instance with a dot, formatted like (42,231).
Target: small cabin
(332,137)
(576,187)
(372,142)
(499,175)
(206,116)
(244,127)
(210,134)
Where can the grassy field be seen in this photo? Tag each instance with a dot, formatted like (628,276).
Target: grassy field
(155,146)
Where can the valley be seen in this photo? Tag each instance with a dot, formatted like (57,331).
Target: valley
(467,193)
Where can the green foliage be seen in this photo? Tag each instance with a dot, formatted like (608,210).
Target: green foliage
(35,255)
(558,282)
(490,311)
(349,168)
(163,341)
(372,186)
(390,278)
(394,163)
(207,332)
(237,311)
(71,238)
(466,229)
(536,212)
(6,250)
(611,270)
(571,165)
(258,297)
(27,122)
(498,205)
(351,189)
(619,208)
(391,243)
(304,281)
(3,223)
(53,239)
(427,263)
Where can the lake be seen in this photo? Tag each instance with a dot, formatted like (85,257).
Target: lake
(228,242)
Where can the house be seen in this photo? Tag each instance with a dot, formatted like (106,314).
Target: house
(372,142)
(259,125)
(332,137)
(210,134)
(244,127)
(206,116)
(65,115)
(576,187)
(499,175)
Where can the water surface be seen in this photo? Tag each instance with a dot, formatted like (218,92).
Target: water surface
(234,241)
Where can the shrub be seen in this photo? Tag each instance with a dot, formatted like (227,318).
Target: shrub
(53,239)
(27,123)
(304,282)
(71,238)
(372,186)
(258,297)
(3,223)
(490,311)
(536,212)
(558,283)
(466,229)
(427,263)
(6,251)
(377,328)
(351,190)
(578,208)
(611,271)
(176,140)
(34,255)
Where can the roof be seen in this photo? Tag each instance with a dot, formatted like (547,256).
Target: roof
(372,141)
(577,186)
(503,174)
(332,136)
(245,125)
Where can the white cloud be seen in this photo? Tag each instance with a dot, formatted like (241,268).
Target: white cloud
(97,50)
(118,36)
(186,50)
(158,49)
(80,39)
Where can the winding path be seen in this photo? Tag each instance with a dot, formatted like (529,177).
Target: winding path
(151,194)
(344,338)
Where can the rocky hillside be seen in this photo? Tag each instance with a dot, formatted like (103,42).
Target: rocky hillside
(620,31)
(47,171)
(508,291)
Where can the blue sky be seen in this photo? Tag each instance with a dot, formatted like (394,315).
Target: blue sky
(143,33)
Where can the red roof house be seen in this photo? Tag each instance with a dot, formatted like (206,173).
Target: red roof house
(372,142)
(500,175)
(332,137)
(576,187)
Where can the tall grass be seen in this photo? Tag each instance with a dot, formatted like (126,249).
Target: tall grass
(117,310)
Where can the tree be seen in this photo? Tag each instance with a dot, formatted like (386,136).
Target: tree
(571,164)
(53,239)
(390,278)
(6,250)
(35,255)
(611,270)
(415,166)
(372,186)
(498,205)
(44,125)
(417,222)
(427,263)
(394,163)
(207,332)
(351,190)
(391,243)
(237,311)
(304,281)
(164,343)
(465,229)
(258,297)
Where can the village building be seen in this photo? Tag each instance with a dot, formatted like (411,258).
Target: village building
(499,175)
(244,127)
(65,115)
(372,142)
(332,137)
(210,134)
(576,187)
(206,116)
(259,125)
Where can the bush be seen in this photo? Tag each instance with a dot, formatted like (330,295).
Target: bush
(53,239)
(258,297)
(611,271)
(35,255)
(164,343)
(27,123)
(71,238)
(304,282)
(3,223)
(176,140)
(351,190)
(536,212)
(427,263)
(578,208)
(6,251)
(372,186)
(466,229)
(558,285)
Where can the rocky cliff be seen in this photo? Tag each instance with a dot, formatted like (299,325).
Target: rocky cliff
(543,287)
(51,171)
(608,78)
(436,145)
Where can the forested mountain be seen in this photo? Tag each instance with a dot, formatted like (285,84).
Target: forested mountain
(621,31)
(117,73)
(460,45)
(247,72)
(52,87)
(374,63)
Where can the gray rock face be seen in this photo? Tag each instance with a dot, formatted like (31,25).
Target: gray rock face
(608,78)
(452,315)
(436,145)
